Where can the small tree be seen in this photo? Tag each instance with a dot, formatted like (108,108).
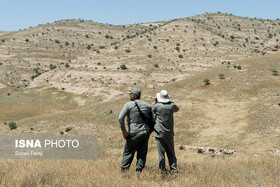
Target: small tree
(123,67)
(68,129)
(206,81)
(88,47)
(274,72)
(12,125)
(52,66)
(149,56)
(238,67)
(156,65)
(221,76)
(180,56)
(67,65)
(155,47)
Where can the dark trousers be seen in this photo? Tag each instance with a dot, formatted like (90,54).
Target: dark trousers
(166,145)
(139,144)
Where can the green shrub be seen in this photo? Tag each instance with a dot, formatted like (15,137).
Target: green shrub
(206,81)
(116,47)
(52,66)
(177,49)
(101,47)
(86,36)
(67,65)
(36,75)
(3,40)
(149,56)
(128,50)
(12,125)
(221,76)
(178,44)
(238,67)
(98,63)
(26,40)
(156,65)
(68,129)
(155,47)
(1,63)
(57,41)
(88,47)
(274,72)
(180,56)
(123,67)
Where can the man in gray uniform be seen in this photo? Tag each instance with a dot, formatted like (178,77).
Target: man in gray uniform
(163,109)
(138,134)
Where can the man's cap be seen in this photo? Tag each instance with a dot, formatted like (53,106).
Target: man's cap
(135,91)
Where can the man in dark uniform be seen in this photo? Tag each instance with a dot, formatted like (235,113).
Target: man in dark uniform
(137,136)
(163,109)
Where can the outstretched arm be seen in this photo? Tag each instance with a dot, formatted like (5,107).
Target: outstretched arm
(175,108)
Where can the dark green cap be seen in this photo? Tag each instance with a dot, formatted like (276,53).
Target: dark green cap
(135,91)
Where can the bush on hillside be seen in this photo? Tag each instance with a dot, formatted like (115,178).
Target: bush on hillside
(206,81)
(123,67)
(12,125)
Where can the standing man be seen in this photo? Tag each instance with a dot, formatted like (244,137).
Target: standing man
(163,109)
(137,136)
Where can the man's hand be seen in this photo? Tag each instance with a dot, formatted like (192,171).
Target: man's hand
(125,134)
(155,99)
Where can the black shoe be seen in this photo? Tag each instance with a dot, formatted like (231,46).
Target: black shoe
(163,171)
(124,169)
(174,171)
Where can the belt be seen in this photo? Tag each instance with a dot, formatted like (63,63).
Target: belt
(141,132)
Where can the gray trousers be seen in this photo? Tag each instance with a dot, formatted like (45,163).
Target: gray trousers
(139,144)
(166,145)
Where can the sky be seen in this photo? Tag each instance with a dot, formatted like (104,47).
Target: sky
(22,14)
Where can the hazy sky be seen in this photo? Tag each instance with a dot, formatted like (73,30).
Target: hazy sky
(21,14)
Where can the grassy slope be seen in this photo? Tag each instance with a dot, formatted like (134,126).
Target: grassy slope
(239,112)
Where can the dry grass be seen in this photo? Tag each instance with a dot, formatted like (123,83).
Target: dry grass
(194,170)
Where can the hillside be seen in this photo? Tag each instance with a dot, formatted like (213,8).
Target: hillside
(84,57)
(238,110)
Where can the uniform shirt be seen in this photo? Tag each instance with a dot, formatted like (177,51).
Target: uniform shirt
(163,113)
(134,120)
